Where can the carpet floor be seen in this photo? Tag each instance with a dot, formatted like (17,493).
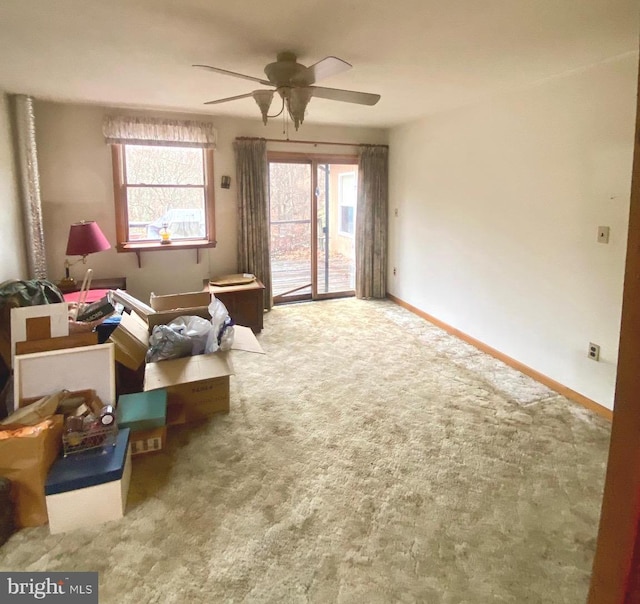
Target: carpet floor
(368,457)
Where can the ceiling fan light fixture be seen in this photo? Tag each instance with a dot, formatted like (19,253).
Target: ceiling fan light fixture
(263,98)
(297,101)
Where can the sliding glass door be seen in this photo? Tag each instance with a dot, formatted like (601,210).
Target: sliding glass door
(313,214)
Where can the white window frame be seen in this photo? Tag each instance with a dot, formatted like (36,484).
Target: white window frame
(351,203)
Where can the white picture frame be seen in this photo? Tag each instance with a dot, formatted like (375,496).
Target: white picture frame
(82,368)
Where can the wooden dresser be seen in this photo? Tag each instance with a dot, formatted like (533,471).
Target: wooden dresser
(245,303)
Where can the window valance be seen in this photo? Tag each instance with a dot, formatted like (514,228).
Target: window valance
(156,131)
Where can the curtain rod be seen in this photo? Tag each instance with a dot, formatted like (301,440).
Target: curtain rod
(282,140)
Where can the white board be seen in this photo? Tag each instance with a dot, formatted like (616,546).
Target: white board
(59,317)
(81,368)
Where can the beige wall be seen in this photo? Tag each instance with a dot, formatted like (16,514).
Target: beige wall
(13,261)
(498,208)
(76,181)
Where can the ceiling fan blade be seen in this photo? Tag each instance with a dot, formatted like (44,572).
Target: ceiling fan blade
(230,98)
(348,96)
(327,67)
(234,74)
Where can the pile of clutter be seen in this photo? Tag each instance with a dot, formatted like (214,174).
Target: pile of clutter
(67,444)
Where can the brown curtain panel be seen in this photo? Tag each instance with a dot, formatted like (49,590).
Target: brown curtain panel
(253,211)
(371,222)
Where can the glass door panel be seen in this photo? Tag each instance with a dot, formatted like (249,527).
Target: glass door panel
(336,197)
(290,189)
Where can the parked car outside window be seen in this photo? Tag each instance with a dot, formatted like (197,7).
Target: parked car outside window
(181,224)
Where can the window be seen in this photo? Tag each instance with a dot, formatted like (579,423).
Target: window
(347,197)
(163,188)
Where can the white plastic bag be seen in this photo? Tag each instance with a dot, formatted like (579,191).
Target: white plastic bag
(222,326)
(197,329)
(164,344)
(191,335)
(184,336)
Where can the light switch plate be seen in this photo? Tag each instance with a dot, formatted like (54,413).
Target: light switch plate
(603,234)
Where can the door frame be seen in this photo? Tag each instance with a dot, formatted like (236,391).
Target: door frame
(312,159)
(615,577)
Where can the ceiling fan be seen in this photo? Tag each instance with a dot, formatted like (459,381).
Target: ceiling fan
(295,84)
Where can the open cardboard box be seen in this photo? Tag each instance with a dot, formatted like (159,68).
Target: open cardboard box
(197,386)
(168,308)
(180,301)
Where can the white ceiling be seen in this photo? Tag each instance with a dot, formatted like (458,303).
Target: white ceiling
(422,56)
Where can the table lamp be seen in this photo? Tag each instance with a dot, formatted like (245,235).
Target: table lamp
(84,238)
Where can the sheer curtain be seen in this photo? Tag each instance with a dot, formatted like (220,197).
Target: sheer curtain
(253,211)
(118,129)
(371,222)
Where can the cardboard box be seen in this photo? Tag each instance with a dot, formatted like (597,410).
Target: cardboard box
(173,306)
(176,414)
(131,340)
(148,441)
(197,386)
(180,301)
(194,401)
(89,488)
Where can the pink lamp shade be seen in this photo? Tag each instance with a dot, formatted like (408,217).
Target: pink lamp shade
(86,238)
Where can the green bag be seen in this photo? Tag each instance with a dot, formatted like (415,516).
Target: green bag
(15,293)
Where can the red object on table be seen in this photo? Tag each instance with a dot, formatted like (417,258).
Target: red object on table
(93,295)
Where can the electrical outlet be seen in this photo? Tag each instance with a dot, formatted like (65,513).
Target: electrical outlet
(603,234)
(395,212)
(394,271)
(594,351)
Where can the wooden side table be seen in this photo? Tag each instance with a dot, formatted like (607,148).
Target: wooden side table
(245,303)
